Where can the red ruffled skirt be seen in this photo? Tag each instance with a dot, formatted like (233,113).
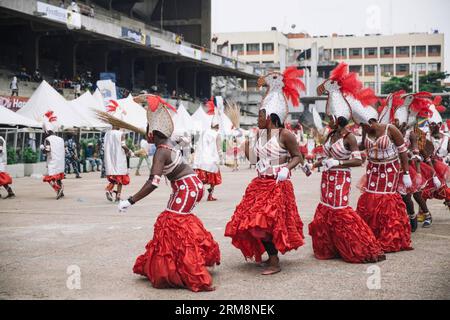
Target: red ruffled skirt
(429,190)
(55,177)
(119,179)
(343,233)
(5,179)
(386,215)
(179,253)
(267,210)
(211,178)
(417,182)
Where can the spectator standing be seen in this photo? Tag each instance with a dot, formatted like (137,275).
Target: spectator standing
(100,150)
(91,156)
(72,156)
(14,87)
(77,89)
(143,154)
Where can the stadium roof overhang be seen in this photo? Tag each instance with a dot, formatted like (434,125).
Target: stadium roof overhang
(154,43)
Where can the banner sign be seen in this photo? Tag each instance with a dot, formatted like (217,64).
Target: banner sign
(108,90)
(189,52)
(13,103)
(71,19)
(228,62)
(135,36)
(108,76)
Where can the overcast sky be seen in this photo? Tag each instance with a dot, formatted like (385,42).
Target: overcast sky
(323,17)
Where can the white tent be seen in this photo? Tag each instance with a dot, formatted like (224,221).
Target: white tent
(11,118)
(200,120)
(182,121)
(135,113)
(85,105)
(99,100)
(46,98)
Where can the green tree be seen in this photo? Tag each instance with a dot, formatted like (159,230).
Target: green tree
(431,82)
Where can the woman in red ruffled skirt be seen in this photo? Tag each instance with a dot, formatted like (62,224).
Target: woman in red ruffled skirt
(380,205)
(267,219)
(337,231)
(181,248)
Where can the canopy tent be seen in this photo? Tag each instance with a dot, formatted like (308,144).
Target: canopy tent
(11,118)
(200,120)
(46,98)
(135,113)
(97,95)
(85,106)
(182,121)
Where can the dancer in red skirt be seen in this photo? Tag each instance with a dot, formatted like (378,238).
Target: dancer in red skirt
(436,157)
(55,153)
(5,178)
(402,111)
(115,158)
(380,205)
(267,218)
(181,248)
(337,230)
(208,153)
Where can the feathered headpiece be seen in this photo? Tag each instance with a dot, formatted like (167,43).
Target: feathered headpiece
(281,87)
(435,111)
(49,121)
(392,102)
(293,85)
(115,109)
(348,81)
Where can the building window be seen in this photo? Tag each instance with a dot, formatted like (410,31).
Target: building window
(355,53)
(434,51)
(340,53)
(421,68)
(434,67)
(357,69)
(252,48)
(402,69)
(370,85)
(325,55)
(402,52)
(370,52)
(387,70)
(267,48)
(387,52)
(419,51)
(369,69)
(239,48)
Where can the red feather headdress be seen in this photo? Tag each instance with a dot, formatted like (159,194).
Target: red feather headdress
(348,82)
(366,96)
(50,116)
(293,85)
(112,106)
(421,104)
(154,101)
(211,106)
(437,103)
(397,101)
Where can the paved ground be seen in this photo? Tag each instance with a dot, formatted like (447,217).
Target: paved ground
(41,237)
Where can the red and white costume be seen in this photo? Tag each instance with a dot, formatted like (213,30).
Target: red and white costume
(268,210)
(380,205)
(5,178)
(115,158)
(208,151)
(181,247)
(54,146)
(337,230)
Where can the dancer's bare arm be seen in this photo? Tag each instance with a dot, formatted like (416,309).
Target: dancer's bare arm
(290,142)
(159,159)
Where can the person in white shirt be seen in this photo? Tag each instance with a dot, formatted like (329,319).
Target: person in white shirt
(14,87)
(144,154)
(54,149)
(5,178)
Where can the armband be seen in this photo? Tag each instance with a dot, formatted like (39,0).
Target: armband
(156,180)
(402,148)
